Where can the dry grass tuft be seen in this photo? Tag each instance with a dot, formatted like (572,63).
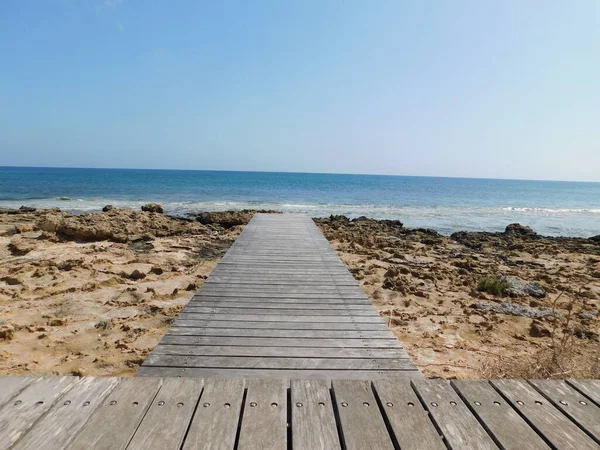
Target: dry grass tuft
(561,359)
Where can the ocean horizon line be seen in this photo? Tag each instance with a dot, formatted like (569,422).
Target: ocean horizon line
(446,177)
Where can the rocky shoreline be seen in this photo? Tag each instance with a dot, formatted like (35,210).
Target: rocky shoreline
(94,293)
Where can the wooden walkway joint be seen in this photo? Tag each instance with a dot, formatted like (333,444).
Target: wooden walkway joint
(280,304)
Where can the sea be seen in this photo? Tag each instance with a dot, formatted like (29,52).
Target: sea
(445,204)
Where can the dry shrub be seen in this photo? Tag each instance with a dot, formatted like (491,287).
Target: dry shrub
(565,357)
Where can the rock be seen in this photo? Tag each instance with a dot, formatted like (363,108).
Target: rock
(104,325)
(338,218)
(538,329)
(227,219)
(519,288)
(595,274)
(120,225)
(521,230)
(27,209)
(136,275)
(191,287)
(11,281)
(398,322)
(153,207)
(19,247)
(588,315)
(583,333)
(157,270)
(108,208)
(50,222)
(7,333)
(26,228)
(513,309)
(79,372)
(57,322)
(595,239)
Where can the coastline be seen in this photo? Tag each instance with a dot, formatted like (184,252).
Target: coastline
(93,294)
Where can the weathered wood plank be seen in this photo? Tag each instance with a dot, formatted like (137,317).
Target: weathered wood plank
(176,401)
(249,362)
(362,426)
(280,342)
(24,409)
(266,293)
(278,311)
(589,388)
(150,371)
(215,423)
(116,419)
(548,421)
(500,419)
(11,386)
(306,301)
(266,333)
(290,352)
(409,422)
(239,324)
(280,318)
(250,306)
(573,404)
(68,415)
(313,420)
(452,417)
(265,409)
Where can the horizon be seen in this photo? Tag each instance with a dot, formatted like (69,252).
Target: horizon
(460,89)
(299,173)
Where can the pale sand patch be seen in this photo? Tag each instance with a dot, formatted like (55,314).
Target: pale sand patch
(72,307)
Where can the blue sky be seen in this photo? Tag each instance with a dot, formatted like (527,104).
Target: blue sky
(507,89)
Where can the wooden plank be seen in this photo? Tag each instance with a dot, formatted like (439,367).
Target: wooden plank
(341,308)
(278,311)
(283,300)
(215,423)
(268,292)
(265,409)
(313,419)
(24,409)
(150,371)
(362,426)
(406,417)
(548,421)
(281,318)
(291,352)
(283,284)
(451,416)
(500,419)
(266,333)
(176,401)
(68,415)
(573,404)
(589,388)
(280,342)
(11,386)
(115,421)
(239,324)
(249,362)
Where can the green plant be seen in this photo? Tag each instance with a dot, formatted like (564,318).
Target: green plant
(492,285)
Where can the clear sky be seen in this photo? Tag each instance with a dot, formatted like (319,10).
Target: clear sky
(499,88)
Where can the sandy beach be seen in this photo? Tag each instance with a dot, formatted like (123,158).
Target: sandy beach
(93,294)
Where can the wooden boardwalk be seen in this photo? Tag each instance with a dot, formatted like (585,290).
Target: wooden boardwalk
(280,304)
(191,413)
